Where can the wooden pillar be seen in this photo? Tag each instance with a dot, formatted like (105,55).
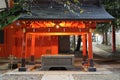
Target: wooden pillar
(90,53)
(26,45)
(22,68)
(84,47)
(113,39)
(32,49)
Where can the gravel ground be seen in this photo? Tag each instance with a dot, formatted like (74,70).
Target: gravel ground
(21,77)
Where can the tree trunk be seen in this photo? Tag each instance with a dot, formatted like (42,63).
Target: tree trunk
(78,43)
(106,40)
(103,41)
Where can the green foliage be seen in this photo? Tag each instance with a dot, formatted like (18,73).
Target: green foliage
(102,28)
(113,7)
(76,1)
(10,15)
(81,11)
(68,2)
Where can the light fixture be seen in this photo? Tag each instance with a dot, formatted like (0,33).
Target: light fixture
(34,30)
(64,29)
(97,34)
(57,26)
(11,27)
(24,30)
(17,23)
(48,29)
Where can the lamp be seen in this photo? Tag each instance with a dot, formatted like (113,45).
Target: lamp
(57,26)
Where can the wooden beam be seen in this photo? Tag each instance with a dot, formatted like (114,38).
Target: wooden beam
(54,34)
(58,30)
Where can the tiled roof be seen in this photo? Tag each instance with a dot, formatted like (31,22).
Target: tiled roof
(60,11)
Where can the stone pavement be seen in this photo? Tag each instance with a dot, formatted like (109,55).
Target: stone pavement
(101,52)
(59,75)
(108,48)
(96,77)
(104,72)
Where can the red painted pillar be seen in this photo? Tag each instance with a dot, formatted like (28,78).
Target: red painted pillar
(113,39)
(22,68)
(26,45)
(32,49)
(90,53)
(84,47)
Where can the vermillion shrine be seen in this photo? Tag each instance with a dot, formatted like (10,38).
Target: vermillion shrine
(47,28)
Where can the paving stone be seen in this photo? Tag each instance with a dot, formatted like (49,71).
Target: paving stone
(106,71)
(96,77)
(21,77)
(57,77)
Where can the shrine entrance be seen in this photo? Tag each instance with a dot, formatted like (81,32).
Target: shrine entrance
(47,33)
(46,44)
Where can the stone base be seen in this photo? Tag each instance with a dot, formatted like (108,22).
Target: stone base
(57,61)
(22,69)
(69,67)
(92,69)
